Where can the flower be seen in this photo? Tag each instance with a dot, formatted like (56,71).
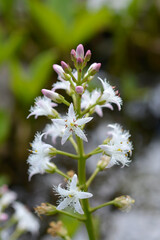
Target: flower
(54,130)
(72,125)
(71,195)
(90,98)
(26,220)
(109,95)
(6,197)
(40,157)
(119,147)
(43,107)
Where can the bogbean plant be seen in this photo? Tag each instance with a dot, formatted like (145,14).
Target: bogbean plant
(116,148)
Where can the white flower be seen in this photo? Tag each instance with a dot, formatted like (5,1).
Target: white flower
(54,130)
(72,125)
(43,107)
(90,98)
(109,95)
(119,147)
(6,197)
(26,220)
(40,158)
(71,195)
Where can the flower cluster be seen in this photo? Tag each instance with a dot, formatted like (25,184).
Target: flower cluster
(119,147)
(116,149)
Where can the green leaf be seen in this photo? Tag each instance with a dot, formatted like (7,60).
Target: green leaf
(84,25)
(71,224)
(5,124)
(27,83)
(50,21)
(9,46)
(88,24)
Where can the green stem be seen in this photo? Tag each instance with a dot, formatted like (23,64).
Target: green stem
(74,79)
(67,154)
(16,234)
(82,180)
(88,109)
(66,102)
(62,174)
(67,238)
(94,152)
(92,177)
(101,206)
(80,218)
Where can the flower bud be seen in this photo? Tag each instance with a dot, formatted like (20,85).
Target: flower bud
(87,56)
(45,209)
(57,229)
(3,217)
(79,63)
(103,162)
(79,89)
(124,202)
(56,97)
(66,67)
(80,51)
(59,70)
(73,55)
(70,173)
(94,68)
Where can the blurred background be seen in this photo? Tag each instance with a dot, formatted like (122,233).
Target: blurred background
(124,35)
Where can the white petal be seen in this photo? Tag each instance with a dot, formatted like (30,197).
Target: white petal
(108,105)
(82,121)
(66,135)
(73,183)
(65,203)
(83,195)
(78,207)
(59,121)
(62,191)
(80,134)
(102,82)
(99,111)
(71,112)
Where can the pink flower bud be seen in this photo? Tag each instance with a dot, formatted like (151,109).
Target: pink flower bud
(59,70)
(88,56)
(79,63)
(66,67)
(94,68)
(80,51)
(3,217)
(50,94)
(79,89)
(73,55)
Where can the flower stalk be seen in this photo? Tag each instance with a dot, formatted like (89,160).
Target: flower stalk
(116,148)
